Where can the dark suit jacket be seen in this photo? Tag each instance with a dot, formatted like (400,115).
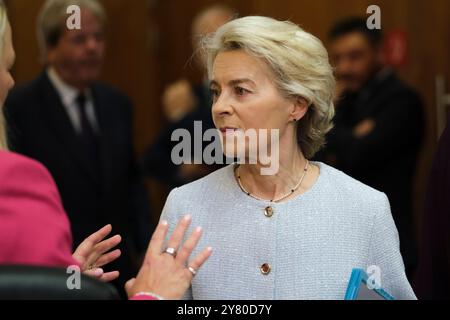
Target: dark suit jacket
(39,128)
(386,158)
(433,275)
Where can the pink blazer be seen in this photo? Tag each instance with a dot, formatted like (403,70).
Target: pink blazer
(34,228)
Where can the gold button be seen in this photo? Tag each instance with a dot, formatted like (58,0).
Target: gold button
(265,269)
(268,212)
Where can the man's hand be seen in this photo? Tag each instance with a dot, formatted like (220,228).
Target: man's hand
(178,100)
(93,253)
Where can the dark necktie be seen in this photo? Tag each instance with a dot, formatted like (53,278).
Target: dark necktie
(87,135)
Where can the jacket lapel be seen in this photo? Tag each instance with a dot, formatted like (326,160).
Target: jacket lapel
(60,124)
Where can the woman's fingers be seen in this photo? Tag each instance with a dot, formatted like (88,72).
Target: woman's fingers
(189,246)
(109,276)
(98,236)
(106,245)
(162,274)
(100,248)
(100,274)
(158,237)
(85,248)
(108,258)
(201,258)
(179,232)
(94,273)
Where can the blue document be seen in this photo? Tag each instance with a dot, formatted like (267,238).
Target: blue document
(358,290)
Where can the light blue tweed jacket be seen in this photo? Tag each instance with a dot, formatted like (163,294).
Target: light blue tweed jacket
(311,243)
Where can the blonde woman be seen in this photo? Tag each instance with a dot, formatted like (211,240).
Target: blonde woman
(298,233)
(34,229)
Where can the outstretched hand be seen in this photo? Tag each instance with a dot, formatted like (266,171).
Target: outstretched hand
(93,253)
(169,276)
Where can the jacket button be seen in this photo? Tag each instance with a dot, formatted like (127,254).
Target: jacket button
(265,269)
(268,212)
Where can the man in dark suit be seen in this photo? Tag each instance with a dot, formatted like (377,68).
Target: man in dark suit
(81,130)
(378,125)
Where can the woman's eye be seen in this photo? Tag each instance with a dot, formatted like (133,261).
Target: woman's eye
(241,91)
(214,93)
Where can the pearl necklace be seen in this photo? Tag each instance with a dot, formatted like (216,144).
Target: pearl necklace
(305,170)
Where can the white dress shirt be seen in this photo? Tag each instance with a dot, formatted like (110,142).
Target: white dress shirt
(68,97)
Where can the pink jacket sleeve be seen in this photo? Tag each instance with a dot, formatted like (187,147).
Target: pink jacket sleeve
(34,229)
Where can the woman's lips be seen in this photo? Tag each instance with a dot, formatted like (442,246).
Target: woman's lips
(228,130)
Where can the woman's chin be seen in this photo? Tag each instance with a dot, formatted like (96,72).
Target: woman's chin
(232,150)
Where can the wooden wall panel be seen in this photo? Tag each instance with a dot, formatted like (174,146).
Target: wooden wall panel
(150,46)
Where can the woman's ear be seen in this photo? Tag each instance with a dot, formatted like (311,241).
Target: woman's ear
(300,108)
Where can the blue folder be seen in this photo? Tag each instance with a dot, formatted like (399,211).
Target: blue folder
(358,290)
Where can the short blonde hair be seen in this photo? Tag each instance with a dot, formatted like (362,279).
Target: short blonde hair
(299,62)
(52,17)
(3,24)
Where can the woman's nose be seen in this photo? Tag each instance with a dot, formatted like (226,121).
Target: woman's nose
(222,106)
